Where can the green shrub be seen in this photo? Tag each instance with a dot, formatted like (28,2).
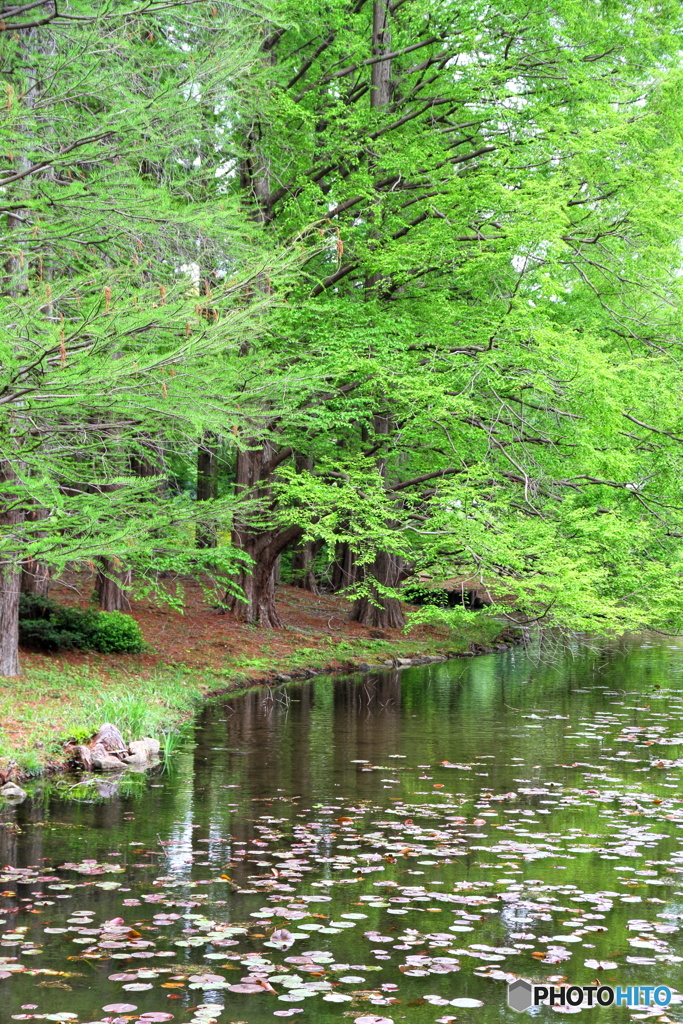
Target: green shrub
(47,626)
(44,635)
(116,633)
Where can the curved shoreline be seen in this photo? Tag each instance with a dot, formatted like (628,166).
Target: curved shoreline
(180,692)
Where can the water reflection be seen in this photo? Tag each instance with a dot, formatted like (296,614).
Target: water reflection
(498,803)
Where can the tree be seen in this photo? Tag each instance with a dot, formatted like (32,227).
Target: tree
(491,191)
(112,192)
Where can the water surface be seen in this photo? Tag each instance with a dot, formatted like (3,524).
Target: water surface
(371,845)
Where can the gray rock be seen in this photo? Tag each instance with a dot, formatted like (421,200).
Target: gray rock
(10,791)
(153,746)
(404,662)
(138,753)
(110,738)
(141,752)
(103,761)
(107,787)
(84,755)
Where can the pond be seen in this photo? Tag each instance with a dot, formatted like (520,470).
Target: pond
(395,846)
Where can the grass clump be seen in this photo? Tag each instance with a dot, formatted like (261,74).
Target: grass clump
(50,627)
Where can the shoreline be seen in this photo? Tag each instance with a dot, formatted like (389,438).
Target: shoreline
(65,698)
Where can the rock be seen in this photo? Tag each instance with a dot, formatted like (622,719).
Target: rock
(141,752)
(103,761)
(107,787)
(84,755)
(138,754)
(110,738)
(404,662)
(10,791)
(153,746)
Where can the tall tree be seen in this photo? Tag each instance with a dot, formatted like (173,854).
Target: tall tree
(500,178)
(112,192)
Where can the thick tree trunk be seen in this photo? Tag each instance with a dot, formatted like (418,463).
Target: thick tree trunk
(377,609)
(381,80)
(110,586)
(10,580)
(257,605)
(387,613)
(263,546)
(10,588)
(207,488)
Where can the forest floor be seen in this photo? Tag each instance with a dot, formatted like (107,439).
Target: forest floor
(192,655)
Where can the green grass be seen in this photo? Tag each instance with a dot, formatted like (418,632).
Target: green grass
(49,706)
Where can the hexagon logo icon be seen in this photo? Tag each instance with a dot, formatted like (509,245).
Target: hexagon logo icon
(519,995)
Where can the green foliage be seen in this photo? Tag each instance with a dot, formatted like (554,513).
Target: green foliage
(47,626)
(129,711)
(116,633)
(494,318)
(126,265)
(417,593)
(443,323)
(455,619)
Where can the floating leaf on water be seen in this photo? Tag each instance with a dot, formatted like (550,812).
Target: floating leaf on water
(371,1019)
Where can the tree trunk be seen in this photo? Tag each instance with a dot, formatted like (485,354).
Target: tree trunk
(344,569)
(303,565)
(387,569)
(10,588)
(207,488)
(257,605)
(35,575)
(10,581)
(111,595)
(303,557)
(378,610)
(381,80)
(35,578)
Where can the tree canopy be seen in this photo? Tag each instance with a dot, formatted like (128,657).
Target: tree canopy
(408,275)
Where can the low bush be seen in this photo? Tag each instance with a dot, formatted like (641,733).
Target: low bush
(47,626)
(116,633)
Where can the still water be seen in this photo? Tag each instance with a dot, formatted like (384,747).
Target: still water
(394,846)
